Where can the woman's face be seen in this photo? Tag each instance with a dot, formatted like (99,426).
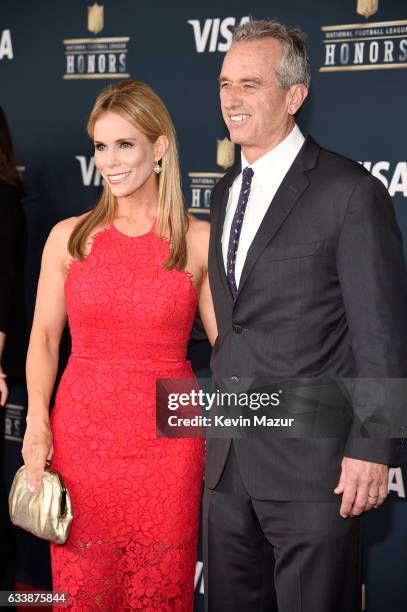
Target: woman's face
(123,154)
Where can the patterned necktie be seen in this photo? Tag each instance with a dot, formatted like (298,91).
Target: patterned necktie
(236,228)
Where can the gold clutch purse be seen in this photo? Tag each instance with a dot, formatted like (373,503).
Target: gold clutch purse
(46,513)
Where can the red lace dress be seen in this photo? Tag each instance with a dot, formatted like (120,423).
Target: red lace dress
(135,497)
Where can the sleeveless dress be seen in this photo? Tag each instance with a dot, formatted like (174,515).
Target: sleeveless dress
(135,497)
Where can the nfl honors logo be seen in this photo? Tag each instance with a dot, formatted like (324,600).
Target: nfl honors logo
(95,18)
(225,156)
(202,183)
(14,422)
(365,46)
(96,58)
(367,8)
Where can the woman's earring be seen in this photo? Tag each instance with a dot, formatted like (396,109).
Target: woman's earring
(157,168)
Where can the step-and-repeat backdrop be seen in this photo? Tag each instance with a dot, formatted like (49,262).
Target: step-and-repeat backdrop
(56,56)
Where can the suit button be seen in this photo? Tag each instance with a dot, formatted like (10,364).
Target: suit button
(237,329)
(235,379)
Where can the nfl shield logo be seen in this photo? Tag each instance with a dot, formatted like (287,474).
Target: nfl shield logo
(366,8)
(226,153)
(95,18)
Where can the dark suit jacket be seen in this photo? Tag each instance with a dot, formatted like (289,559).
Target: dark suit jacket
(322,296)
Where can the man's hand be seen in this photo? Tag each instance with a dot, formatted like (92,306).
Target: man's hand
(363,485)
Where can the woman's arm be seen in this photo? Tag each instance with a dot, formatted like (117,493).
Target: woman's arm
(206,310)
(43,351)
(199,232)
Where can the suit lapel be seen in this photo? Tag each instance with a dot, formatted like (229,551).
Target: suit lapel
(219,218)
(286,197)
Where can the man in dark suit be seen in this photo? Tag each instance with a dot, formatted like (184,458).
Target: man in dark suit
(308,282)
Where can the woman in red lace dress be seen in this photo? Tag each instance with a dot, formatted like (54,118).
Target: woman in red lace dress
(129,276)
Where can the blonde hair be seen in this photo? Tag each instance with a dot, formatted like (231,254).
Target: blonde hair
(139,104)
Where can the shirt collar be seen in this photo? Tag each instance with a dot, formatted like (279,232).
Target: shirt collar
(284,153)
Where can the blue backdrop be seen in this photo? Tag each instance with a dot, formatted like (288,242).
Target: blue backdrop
(56,56)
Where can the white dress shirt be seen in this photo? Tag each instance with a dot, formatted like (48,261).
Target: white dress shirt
(269,171)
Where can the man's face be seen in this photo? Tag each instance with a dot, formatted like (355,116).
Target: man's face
(254,106)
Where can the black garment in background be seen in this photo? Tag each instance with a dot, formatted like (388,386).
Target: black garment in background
(7,530)
(13,322)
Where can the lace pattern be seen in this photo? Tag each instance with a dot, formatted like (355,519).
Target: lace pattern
(135,497)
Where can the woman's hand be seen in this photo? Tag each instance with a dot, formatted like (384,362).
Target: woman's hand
(3,388)
(37,448)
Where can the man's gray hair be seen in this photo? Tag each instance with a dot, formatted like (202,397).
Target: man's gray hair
(294,66)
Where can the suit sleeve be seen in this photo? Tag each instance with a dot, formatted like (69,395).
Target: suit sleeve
(373,283)
(8,230)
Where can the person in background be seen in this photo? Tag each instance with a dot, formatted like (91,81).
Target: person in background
(13,324)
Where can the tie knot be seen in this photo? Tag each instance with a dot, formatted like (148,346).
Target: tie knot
(247,176)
